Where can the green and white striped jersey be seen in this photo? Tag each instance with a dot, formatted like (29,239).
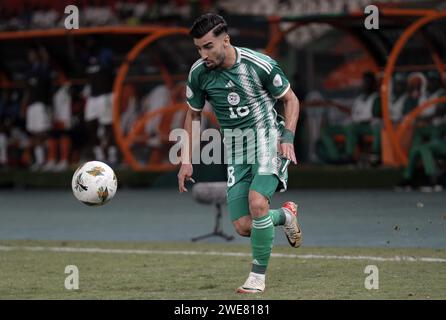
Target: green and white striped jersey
(242,96)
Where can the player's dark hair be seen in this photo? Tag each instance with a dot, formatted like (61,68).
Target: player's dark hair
(206,23)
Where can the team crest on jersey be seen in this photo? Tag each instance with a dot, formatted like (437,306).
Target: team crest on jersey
(277,81)
(233,98)
(189,92)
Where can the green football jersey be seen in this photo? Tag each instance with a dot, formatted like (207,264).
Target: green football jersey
(242,96)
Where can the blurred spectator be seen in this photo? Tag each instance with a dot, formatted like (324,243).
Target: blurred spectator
(398,97)
(14,19)
(10,127)
(36,101)
(129,107)
(78,132)
(44,17)
(366,109)
(416,91)
(3,18)
(3,131)
(3,148)
(418,86)
(98,114)
(428,141)
(157,98)
(157,130)
(316,117)
(98,13)
(428,153)
(60,134)
(362,123)
(436,89)
(132,12)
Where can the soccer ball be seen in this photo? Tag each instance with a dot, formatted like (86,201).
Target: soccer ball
(94,183)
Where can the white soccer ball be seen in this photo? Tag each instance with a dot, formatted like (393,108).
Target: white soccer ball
(94,183)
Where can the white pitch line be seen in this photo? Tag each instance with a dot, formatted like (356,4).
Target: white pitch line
(227,254)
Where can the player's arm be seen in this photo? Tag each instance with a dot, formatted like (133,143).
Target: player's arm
(279,87)
(186,169)
(195,100)
(291,106)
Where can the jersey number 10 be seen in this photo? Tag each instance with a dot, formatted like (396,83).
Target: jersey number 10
(240,112)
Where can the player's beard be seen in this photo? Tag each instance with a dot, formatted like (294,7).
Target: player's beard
(217,62)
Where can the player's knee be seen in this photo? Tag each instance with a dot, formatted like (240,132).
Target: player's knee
(258,206)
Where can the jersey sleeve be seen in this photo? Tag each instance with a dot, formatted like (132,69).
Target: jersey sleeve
(194,94)
(275,81)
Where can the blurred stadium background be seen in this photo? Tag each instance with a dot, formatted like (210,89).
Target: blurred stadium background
(370,140)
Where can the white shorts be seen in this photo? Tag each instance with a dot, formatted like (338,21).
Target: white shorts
(62,108)
(100,108)
(37,118)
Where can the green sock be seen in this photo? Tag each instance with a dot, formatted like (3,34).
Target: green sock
(277,216)
(262,237)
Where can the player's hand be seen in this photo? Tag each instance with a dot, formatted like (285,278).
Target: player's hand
(287,150)
(185,174)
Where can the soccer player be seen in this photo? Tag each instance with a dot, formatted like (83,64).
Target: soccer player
(242,86)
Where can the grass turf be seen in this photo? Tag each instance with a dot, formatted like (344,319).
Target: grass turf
(27,274)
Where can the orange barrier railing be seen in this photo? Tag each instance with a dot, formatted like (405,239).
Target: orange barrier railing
(156,32)
(153,33)
(277,35)
(400,154)
(49,33)
(123,142)
(423,17)
(131,138)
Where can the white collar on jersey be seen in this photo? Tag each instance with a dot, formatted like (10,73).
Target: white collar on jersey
(239,55)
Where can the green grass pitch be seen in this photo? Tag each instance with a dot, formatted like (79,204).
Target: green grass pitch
(194,271)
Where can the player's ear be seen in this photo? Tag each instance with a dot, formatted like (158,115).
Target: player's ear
(226,41)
